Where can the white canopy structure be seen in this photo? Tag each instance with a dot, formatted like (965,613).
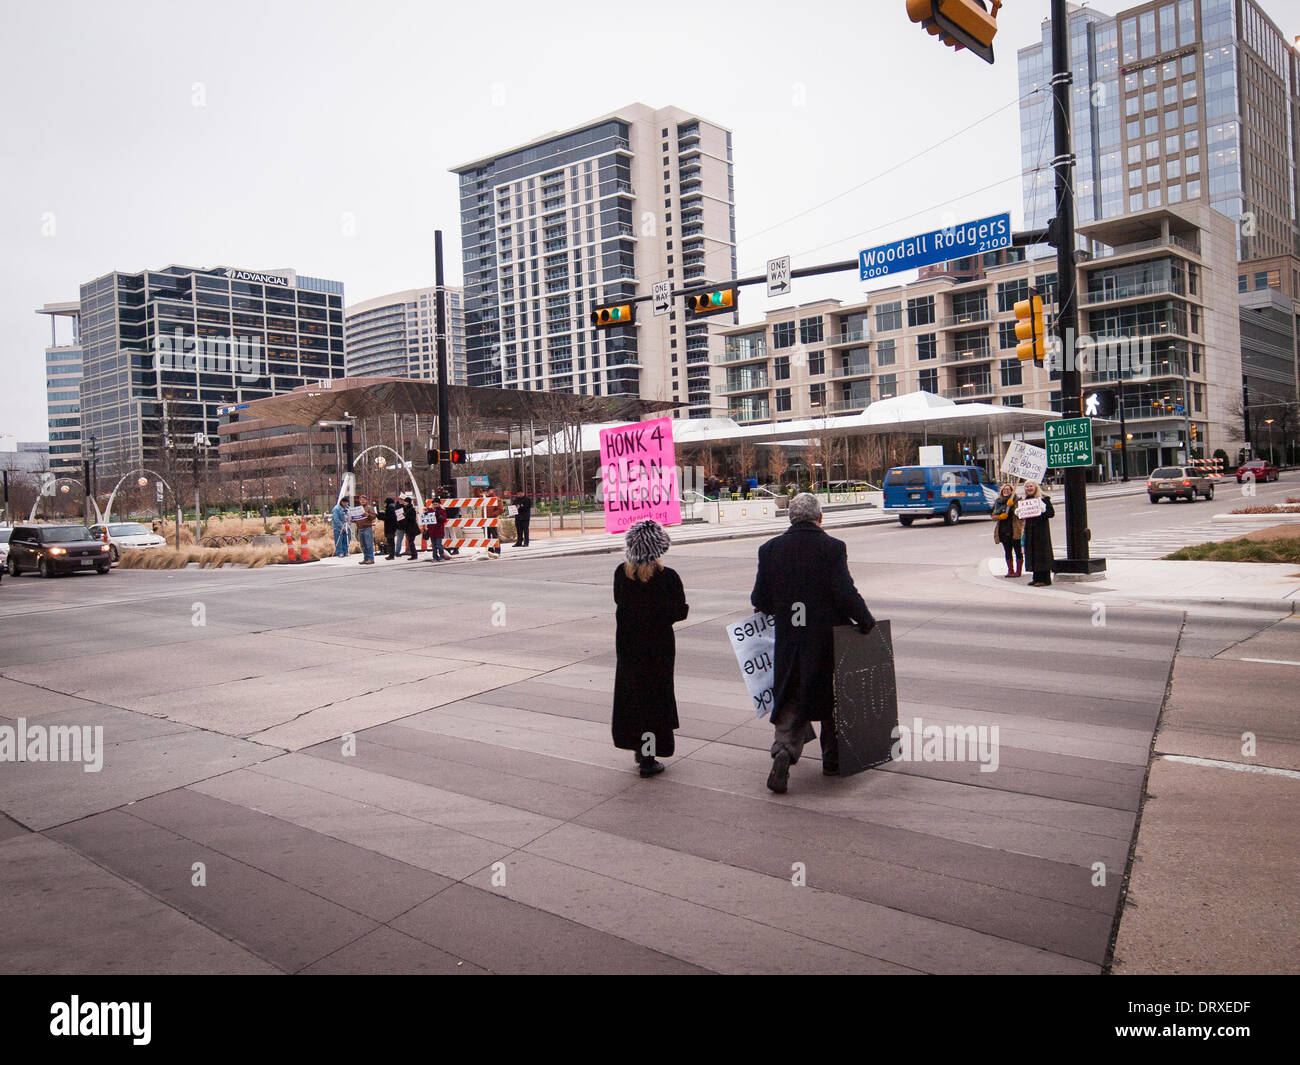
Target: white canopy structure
(920,413)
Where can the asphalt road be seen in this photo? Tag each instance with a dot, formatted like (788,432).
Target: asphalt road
(483,821)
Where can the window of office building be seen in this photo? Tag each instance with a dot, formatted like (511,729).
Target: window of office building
(928,381)
(885,353)
(1007,335)
(783,335)
(781,367)
(817,395)
(783,399)
(810,330)
(926,346)
(816,363)
(889,316)
(1011,372)
(887,385)
(1010,293)
(920,311)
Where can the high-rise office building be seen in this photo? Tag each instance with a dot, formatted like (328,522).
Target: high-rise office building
(396,335)
(163,351)
(588,216)
(1173,100)
(63,387)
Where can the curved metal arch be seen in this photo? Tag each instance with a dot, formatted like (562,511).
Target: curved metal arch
(70,480)
(401,462)
(108,507)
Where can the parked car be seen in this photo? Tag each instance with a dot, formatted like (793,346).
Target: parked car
(1258,469)
(51,549)
(4,544)
(1179,482)
(945,492)
(127,535)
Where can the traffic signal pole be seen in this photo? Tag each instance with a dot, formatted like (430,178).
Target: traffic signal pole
(1076,559)
(440,325)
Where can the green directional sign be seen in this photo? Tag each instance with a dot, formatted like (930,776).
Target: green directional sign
(1069,442)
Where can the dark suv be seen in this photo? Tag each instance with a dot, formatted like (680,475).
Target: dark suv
(51,549)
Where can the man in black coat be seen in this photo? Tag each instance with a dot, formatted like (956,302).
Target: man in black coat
(523,516)
(804,580)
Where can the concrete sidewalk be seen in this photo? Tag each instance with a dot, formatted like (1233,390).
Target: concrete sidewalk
(1262,586)
(1217,857)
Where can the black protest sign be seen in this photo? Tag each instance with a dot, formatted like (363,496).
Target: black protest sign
(866,697)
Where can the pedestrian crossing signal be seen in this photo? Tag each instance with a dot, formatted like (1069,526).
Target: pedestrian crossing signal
(719,301)
(608,317)
(435,456)
(1031,328)
(959,23)
(457,456)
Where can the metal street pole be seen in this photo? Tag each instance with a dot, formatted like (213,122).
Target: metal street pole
(440,325)
(1123,432)
(1067,318)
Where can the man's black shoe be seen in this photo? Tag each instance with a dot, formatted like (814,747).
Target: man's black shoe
(651,766)
(779,779)
(831,770)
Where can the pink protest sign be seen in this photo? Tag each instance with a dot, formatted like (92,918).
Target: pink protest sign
(638,470)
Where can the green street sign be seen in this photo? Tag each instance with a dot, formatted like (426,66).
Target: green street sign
(1069,442)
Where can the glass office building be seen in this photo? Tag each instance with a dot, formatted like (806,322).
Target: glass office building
(63,388)
(1173,101)
(163,351)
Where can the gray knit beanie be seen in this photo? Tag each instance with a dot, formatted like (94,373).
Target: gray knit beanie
(646,541)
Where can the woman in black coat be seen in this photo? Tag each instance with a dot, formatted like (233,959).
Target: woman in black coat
(390,524)
(1038,539)
(648,598)
(410,526)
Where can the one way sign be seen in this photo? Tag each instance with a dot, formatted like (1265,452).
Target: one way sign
(778,276)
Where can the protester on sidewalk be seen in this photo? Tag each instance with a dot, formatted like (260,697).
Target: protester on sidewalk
(390,524)
(648,599)
(804,580)
(1008,528)
(493,508)
(437,531)
(1038,539)
(339,525)
(408,526)
(366,531)
(523,515)
(426,525)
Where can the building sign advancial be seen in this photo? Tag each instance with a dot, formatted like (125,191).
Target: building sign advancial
(261,279)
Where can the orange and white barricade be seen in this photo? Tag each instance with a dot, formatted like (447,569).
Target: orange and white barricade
(490,537)
(288,540)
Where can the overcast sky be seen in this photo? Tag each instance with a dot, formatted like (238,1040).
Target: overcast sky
(318,135)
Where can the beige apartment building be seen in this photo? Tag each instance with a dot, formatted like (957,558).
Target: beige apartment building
(1146,290)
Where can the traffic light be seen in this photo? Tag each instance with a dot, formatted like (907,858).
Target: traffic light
(615,314)
(1100,403)
(959,23)
(1031,328)
(719,301)
(1193,431)
(435,456)
(457,456)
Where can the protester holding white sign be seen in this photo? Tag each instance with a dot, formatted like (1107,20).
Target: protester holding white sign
(1036,511)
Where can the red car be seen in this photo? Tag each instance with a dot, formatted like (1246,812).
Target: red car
(1260,470)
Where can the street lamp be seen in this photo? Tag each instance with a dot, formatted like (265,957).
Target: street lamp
(1269,423)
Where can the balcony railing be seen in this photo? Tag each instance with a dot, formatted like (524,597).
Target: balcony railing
(978,355)
(856,369)
(851,336)
(848,405)
(753,382)
(1148,288)
(966,318)
(970,390)
(1146,245)
(756,413)
(739,349)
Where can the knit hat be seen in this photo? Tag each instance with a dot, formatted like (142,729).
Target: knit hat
(646,541)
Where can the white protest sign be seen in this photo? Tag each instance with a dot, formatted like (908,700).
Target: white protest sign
(1025,461)
(1030,508)
(356,513)
(754,641)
